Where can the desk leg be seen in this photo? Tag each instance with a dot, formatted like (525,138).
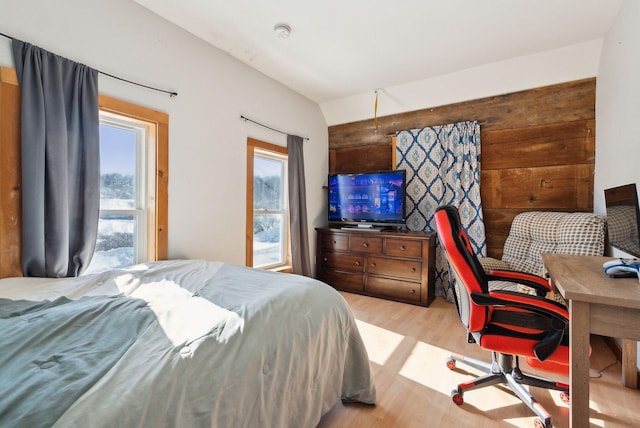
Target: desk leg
(579,360)
(629,358)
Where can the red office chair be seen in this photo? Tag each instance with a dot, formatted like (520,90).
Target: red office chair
(507,323)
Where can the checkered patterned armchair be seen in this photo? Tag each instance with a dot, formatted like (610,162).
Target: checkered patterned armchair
(538,232)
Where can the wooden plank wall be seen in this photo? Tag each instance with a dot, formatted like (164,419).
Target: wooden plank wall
(538,150)
(10,180)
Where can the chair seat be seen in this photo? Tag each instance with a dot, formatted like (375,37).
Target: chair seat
(548,366)
(557,362)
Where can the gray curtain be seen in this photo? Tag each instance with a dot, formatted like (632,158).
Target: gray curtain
(298,207)
(60,162)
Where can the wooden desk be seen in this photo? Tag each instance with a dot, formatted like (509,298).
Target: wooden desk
(597,304)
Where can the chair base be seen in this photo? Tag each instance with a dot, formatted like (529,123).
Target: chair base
(503,370)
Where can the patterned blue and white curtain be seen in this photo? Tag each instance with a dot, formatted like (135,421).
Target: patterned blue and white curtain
(443,168)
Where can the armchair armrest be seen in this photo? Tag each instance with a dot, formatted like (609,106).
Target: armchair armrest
(490,263)
(539,284)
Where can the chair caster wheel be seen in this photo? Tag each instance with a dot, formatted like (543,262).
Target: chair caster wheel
(456,396)
(565,397)
(539,423)
(451,363)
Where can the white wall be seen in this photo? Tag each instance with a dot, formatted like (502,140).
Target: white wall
(207,138)
(517,74)
(618,105)
(618,108)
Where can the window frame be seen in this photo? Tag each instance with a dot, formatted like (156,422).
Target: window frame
(157,124)
(257,146)
(144,177)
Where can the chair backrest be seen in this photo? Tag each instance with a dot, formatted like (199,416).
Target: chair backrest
(464,268)
(536,232)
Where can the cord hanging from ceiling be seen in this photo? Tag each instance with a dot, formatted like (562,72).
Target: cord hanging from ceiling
(375,114)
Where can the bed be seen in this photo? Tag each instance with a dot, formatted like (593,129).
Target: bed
(182,343)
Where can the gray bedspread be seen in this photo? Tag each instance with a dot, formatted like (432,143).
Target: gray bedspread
(178,344)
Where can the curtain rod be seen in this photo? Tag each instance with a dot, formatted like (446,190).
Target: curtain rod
(246,119)
(171,93)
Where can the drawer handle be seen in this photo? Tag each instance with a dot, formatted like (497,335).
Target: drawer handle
(357,263)
(413,270)
(373,265)
(335,242)
(324,259)
(365,245)
(402,248)
(413,291)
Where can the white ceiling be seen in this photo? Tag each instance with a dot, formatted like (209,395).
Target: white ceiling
(339,48)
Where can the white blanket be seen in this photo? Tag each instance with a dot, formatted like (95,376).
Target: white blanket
(215,345)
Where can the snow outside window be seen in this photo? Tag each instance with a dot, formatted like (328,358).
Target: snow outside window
(124,184)
(270,209)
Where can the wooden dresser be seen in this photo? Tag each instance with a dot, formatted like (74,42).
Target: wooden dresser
(391,265)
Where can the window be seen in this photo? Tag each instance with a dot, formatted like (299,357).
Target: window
(132,187)
(124,185)
(157,166)
(267,206)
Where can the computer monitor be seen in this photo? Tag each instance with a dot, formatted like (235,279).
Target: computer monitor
(623,215)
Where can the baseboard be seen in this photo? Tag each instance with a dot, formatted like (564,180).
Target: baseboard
(617,351)
(613,346)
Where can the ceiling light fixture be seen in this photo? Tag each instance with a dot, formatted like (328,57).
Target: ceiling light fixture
(282,31)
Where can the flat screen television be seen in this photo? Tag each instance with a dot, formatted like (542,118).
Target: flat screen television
(367,200)
(623,216)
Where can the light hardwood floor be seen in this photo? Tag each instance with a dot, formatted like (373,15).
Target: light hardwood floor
(408,346)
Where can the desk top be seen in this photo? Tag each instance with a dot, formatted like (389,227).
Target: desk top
(582,278)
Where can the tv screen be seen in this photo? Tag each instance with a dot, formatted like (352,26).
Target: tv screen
(368,199)
(622,218)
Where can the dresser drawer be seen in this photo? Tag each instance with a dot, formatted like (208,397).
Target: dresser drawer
(352,281)
(342,261)
(408,269)
(334,241)
(403,248)
(394,288)
(365,244)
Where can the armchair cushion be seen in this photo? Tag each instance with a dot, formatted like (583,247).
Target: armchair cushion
(536,232)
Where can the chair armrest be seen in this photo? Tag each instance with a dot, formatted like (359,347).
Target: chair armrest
(534,303)
(538,283)
(556,313)
(525,301)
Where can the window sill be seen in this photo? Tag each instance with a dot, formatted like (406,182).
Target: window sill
(282,269)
